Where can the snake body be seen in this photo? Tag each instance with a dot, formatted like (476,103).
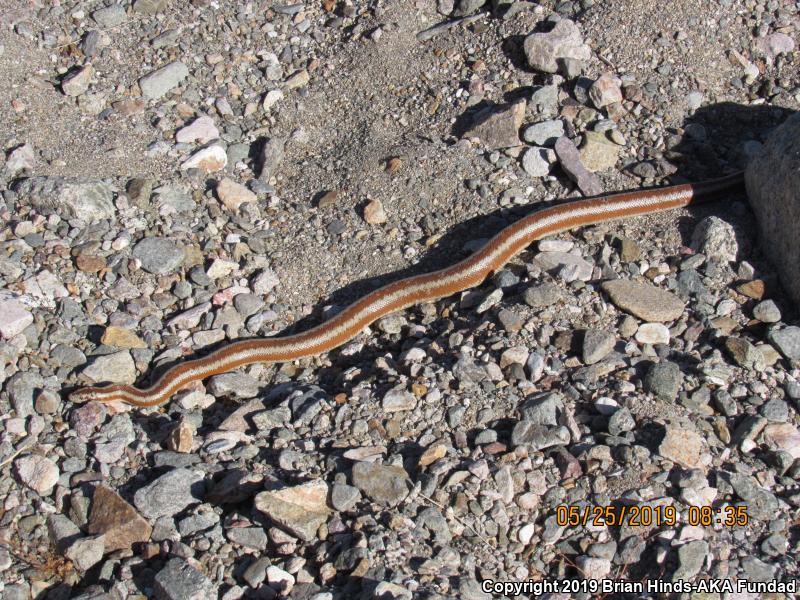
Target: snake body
(406,292)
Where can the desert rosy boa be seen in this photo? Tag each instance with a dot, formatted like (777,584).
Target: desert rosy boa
(419,288)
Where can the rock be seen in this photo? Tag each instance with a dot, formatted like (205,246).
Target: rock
(85,419)
(374,213)
(109,16)
(685,447)
(644,300)
(498,126)
(542,295)
(37,472)
(783,436)
(596,345)
(280,580)
(716,239)
(149,7)
(271,98)
(21,158)
(605,90)
(570,159)
(14,318)
(344,497)
(598,153)
(22,387)
(249,537)
(298,79)
(68,197)
(691,558)
(86,552)
(233,194)
(543,409)
(545,133)
(767,312)
(170,493)
(570,267)
(432,454)
(76,82)
(179,580)
(200,131)
(745,354)
(538,437)
(787,341)
(300,509)
(270,158)
(467,7)
(664,379)
(112,516)
(157,83)
(62,531)
(398,400)
(652,333)
(594,568)
(621,421)
(774,44)
(773,190)
(391,591)
(209,160)
(537,161)
(121,338)
(385,484)
(545,51)
(544,101)
(159,255)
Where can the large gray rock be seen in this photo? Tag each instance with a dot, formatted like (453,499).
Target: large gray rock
(68,197)
(773,187)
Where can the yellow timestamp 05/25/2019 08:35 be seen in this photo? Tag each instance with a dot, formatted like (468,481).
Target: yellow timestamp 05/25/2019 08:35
(646,515)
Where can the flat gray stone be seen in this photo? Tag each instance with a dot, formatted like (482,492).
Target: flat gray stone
(385,484)
(299,509)
(542,295)
(537,161)
(69,197)
(170,494)
(159,255)
(156,84)
(109,16)
(544,133)
(644,300)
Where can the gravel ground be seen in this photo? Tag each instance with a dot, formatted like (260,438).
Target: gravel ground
(176,175)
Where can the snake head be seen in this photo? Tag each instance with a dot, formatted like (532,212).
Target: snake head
(92,393)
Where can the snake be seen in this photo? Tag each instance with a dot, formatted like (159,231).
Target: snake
(416,289)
